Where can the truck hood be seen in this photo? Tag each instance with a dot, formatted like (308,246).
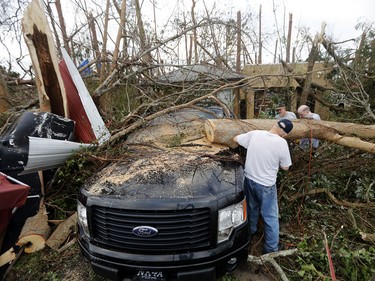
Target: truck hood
(162,174)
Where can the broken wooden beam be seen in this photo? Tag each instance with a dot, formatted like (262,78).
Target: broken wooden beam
(43,53)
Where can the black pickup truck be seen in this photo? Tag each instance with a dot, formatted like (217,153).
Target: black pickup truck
(172,209)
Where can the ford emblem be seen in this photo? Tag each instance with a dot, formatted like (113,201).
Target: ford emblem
(145,231)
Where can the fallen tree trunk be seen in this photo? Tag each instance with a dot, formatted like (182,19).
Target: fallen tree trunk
(346,134)
(62,232)
(35,232)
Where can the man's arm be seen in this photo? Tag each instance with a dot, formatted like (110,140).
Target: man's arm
(284,168)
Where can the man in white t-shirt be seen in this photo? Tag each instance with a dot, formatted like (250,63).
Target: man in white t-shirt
(267,151)
(305,113)
(283,113)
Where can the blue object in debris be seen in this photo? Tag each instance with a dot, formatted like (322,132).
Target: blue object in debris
(88,70)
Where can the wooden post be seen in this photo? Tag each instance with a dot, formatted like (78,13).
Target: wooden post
(320,108)
(250,100)
(293,100)
(275,55)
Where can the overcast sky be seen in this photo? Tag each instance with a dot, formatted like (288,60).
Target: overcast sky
(341,16)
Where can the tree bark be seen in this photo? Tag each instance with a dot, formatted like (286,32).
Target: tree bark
(94,40)
(120,31)
(346,134)
(63,27)
(260,35)
(142,34)
(358,64)
(53,24)
(313,56)
(103,69)
(62,232)
(289,40)
(308,78)
(195,33)
(4,101)
(236,92)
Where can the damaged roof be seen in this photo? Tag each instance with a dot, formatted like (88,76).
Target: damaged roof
(193,73)
(275,76)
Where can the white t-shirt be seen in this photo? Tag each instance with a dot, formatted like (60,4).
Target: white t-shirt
(266,152)
(288,115)
(314,116)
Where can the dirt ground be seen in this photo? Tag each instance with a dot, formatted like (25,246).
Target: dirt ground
(71,266)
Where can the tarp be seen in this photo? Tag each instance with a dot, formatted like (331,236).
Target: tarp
(12,195)
(87,71)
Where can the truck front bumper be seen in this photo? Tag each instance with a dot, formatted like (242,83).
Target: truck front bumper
(198,266)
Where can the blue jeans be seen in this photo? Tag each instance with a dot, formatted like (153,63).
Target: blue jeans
(305,143)
(262,200)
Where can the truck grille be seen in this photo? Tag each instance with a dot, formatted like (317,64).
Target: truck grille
(178,231)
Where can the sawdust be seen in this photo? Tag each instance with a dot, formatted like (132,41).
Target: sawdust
(166,145)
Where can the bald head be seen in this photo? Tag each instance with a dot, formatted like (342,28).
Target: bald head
(304,111)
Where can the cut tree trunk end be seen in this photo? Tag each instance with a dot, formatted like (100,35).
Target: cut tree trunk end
(35,232)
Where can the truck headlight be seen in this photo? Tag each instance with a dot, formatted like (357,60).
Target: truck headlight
(82,218)
(229,218)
